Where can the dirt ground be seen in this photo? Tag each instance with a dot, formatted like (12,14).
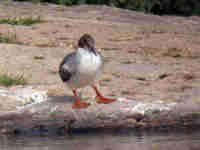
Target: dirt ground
(147,57)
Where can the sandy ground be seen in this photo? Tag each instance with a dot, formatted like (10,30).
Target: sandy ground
(147,57)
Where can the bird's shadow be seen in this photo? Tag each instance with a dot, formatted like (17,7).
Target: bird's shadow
(62,99)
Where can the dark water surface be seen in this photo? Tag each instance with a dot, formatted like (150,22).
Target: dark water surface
(120,140)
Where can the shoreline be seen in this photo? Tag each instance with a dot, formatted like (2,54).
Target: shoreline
(58,116)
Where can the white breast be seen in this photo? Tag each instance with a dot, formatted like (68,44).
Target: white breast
(89,62)
(88,68)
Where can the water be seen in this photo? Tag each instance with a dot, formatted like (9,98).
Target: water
(123,140)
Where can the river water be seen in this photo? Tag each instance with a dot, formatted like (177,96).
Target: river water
(120,140)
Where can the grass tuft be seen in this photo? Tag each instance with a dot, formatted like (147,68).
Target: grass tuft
(11,39)
(9,80)
(21,21)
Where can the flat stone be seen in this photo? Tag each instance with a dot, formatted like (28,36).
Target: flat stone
(57,113)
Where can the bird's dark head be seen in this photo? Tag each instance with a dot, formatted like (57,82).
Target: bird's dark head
(87,41)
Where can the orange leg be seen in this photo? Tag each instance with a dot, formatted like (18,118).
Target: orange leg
(78,103)
(100,98)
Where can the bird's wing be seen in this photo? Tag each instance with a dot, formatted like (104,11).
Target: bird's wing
(67,67)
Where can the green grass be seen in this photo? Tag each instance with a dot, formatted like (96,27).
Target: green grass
(9,80)
(11,39)
(21,21)
(160,7)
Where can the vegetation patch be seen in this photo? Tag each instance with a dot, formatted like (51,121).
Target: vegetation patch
(160,7)
(21,21)
(10,38)
(9,80)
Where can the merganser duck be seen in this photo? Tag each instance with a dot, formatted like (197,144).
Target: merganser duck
(81,68)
